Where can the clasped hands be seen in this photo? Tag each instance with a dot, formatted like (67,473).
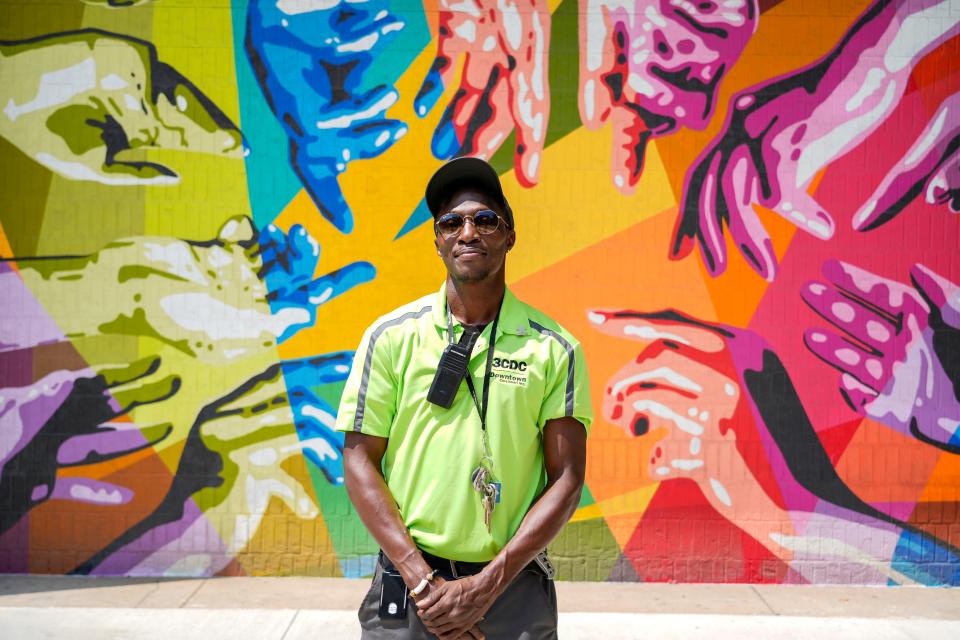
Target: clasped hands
(452,609)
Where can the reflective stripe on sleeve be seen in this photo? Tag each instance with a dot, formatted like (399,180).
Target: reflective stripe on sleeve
(365,376)
(570,363)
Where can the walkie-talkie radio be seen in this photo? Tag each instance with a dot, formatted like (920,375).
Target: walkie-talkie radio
(450,372)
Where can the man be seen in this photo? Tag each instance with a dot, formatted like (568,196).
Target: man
(463,499)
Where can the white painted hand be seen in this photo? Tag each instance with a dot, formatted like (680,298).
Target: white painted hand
(209,299)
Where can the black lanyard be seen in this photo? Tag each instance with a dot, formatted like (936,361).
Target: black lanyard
(481,408)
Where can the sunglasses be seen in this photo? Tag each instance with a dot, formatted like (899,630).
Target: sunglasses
(449,225)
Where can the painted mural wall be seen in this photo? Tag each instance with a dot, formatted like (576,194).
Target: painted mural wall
(744,209)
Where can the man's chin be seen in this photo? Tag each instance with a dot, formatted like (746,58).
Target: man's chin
(470,276)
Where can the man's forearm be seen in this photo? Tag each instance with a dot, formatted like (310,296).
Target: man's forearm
(542,523)
(378,510)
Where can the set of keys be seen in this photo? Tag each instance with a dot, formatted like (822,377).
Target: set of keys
(484,484)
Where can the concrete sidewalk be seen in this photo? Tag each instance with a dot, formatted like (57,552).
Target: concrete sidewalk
(324,608)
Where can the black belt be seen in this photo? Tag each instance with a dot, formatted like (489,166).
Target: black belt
(451,568)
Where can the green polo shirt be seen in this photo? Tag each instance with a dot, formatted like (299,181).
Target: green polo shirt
(538,374)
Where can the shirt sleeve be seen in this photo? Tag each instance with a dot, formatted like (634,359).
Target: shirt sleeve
(369,401)
(568,392)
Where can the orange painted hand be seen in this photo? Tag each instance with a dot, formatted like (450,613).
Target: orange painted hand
(737,385)
(504,85)
(724,414)
(683,392)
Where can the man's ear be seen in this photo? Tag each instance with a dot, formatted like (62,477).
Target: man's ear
(436,243)
(511,239)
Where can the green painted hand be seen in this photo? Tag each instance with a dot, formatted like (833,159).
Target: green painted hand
(207,299)
(86,103)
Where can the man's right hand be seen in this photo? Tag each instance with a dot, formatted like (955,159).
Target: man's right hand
(437,590)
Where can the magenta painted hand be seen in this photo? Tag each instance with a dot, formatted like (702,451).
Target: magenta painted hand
(780,134)
(652,66)
(898,348)
(931,166)
(504,85)
(70,419)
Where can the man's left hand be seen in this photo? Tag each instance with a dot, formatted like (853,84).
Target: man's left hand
(452,609)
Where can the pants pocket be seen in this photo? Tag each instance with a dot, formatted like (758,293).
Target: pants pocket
(370,605)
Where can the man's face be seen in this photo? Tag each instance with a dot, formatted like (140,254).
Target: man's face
(471,256)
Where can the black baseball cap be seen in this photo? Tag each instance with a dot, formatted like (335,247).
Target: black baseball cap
(465,172)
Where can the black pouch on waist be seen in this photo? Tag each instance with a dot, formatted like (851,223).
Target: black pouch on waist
(393,596)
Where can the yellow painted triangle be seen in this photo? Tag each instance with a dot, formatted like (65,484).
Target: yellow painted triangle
(630,502)
(622,513)
(576,205)
(6,250)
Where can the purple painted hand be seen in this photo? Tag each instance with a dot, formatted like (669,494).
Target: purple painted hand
(780,134)
(70,419)
(898,348)
(652,66)
(241,455)
(931,166)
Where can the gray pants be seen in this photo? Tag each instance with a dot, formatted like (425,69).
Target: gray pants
(527,610)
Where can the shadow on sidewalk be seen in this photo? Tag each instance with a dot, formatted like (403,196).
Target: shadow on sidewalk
(17,584)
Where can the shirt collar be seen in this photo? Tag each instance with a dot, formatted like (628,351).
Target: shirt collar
(513,316)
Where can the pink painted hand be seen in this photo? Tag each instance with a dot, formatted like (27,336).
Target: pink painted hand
(931,166)
(652,66)
(504,86)
(781,133)
(684,392)
(724,414)
(897,348)
(749,444)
